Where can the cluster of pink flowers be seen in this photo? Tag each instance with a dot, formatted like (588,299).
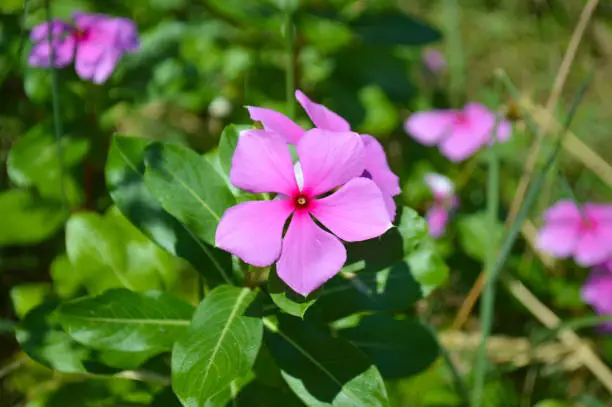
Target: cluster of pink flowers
(95,42)
(341,181)
(584,233)
(444,203)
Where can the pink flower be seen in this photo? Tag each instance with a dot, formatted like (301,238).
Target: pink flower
(96,42)
(434,61)
(597,291)
(307,256)
(376,167)
(444,203)
(586,235)
(457,133)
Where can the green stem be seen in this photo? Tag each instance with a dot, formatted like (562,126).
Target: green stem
(290,69)
(487,305)
(454,51)
(57,117)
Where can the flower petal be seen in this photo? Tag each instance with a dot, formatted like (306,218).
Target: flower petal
(321,116)
(59,29)
(40,56)
(596,291)
(355,212)
(376,164)
(329,159)
(558,240)
(276,122)
(441,187)
(462,142)
(95,62)
(564,211)
(429,128)
(437,219)
(594,247)
(262,163)
(601,213)
(253,230)
(310,256)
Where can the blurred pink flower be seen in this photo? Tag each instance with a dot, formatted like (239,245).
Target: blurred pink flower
(586,235)
(597,291)
(307,255)
(445,201)
(376,166)
(458,133)
(95,42)
(434,61)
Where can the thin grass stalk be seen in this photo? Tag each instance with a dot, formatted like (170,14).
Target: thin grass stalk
(290,69)
(488,298)
(23,35)
(57,116)
(454,51)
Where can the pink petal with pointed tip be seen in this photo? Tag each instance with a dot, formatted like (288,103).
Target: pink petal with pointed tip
(558,240)
(321,116)
(437,219)
(253,230)
(378,167)
(329,159)
(261,164)
(278,123)
(355,212)
(310,256)
(430,127)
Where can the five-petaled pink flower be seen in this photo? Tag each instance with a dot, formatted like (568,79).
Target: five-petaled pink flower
(597,292)
(307,255)
(95,42)
(376,166)
(457,133)
(445,201)
(585,234)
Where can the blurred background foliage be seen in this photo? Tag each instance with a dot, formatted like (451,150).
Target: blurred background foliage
(200,63)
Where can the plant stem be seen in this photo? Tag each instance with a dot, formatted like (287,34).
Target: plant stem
(488,298)
(57,117)
(454,51)
(290,69)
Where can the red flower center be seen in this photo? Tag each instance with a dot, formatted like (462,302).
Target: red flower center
(80,35)
(461,118)
(588,224)
(301,201)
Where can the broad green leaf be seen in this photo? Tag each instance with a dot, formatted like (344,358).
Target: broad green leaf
(258,394)
(125,171)
(219,347)
(393,28)
(99,392)
(390,289)
(475,234)
(67,282)
(28,296)
(31,219)
(110,253)
(399,348)
(43,340)
(126,321)
(227,145)
(323,370)
(124,360)
(287,299)
(33,161)
(188,187)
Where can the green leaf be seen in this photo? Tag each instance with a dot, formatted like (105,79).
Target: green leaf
(99,392)
(33,161)
(287,299)
(323,370)
(188,187)
(42,339)
(125,171)
(124,360)
(31,219)
(219,347)
(126,321)
(474,234)
(391,289)
(227,146)
(393,28)
(67,282)
(399,348)
(28,296)
(110,253)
